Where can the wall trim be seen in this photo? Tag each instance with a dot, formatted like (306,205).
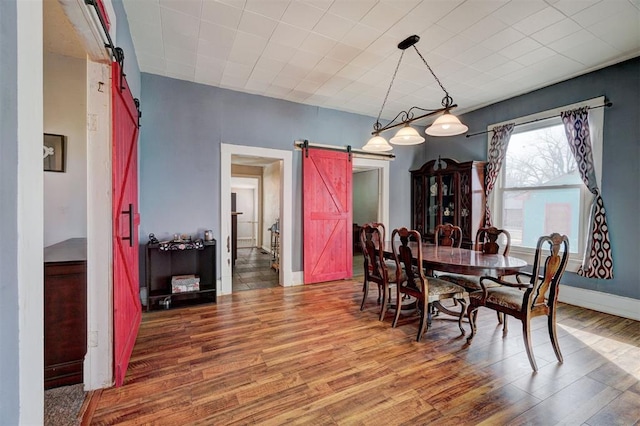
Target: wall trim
(620,306)
(286,210)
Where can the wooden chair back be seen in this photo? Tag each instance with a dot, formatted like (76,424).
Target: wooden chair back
(409,266)
(542,295)
(447,234)
(372,236)
(490,239)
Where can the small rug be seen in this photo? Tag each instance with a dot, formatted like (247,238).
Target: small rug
(62,405)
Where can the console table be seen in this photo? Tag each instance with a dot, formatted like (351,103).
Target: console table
(168,259)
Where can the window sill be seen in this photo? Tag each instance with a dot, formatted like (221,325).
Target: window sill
(574,263)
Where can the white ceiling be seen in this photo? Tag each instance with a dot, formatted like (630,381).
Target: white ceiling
(59,36)
(341,54)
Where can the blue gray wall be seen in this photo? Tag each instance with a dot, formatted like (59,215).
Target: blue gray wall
(621,156)
(183,126)
(9,329)
(123,40)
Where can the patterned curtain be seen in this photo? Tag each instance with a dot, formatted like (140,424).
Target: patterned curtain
(597,262)
(497,152)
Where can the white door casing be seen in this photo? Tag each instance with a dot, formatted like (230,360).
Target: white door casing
(286,206)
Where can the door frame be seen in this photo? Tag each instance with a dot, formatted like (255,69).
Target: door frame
(286,211)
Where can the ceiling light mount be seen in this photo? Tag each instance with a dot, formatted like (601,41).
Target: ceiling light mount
(445,125)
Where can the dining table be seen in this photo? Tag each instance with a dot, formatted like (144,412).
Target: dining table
(458,260)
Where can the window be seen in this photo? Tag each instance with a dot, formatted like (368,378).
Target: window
(539,190)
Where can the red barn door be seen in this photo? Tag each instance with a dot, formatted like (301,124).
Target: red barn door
(127,312)
(327,224)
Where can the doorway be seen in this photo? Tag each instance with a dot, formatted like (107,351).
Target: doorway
(253,209)
(370,200)
(233,157)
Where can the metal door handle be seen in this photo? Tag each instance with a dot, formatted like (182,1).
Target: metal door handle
(130,214)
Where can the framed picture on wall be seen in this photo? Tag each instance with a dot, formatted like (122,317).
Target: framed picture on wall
(53,153)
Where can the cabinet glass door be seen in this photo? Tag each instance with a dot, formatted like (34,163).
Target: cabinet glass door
(432,205)
(465,206)
(449,207)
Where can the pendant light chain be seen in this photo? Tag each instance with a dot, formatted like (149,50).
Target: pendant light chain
(378,125)
(447,100)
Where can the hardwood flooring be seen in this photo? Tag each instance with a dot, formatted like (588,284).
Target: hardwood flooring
(308,355)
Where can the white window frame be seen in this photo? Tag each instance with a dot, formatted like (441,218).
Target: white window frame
(596,124)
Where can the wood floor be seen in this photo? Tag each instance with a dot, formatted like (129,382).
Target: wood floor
(307,355)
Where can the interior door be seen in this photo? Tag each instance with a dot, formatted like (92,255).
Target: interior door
(327,225)
(127,311)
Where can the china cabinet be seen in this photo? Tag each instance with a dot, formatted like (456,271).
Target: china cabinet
(446,191)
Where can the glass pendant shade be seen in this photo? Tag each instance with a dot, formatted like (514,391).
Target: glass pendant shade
(446,125)
(407,136)
(377,144)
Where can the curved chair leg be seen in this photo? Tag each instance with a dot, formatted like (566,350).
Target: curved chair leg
(365,291)
(554,336)
(504,325)
(472,315)
(398,307)
(526,335)
(463,305)
(424,321)
(383,308)
(500,315)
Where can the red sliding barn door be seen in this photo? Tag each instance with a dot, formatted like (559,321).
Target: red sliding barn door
(126,301)
(327,224)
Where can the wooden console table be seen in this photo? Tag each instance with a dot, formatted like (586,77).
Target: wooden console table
(165,260)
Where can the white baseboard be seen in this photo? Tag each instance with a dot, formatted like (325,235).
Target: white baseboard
(602,302)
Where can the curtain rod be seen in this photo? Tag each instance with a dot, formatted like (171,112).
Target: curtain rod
(306,144)
(606,104)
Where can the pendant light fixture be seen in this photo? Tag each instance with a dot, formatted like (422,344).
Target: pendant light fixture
(445,125)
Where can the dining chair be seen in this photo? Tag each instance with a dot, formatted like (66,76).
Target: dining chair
(377,270)
(540,295)
(488,241)
(447,234)
(413,282)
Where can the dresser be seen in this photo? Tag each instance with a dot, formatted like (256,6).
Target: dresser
(65,312)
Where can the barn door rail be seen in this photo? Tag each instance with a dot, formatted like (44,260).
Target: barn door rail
(116,52)
(304,145)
